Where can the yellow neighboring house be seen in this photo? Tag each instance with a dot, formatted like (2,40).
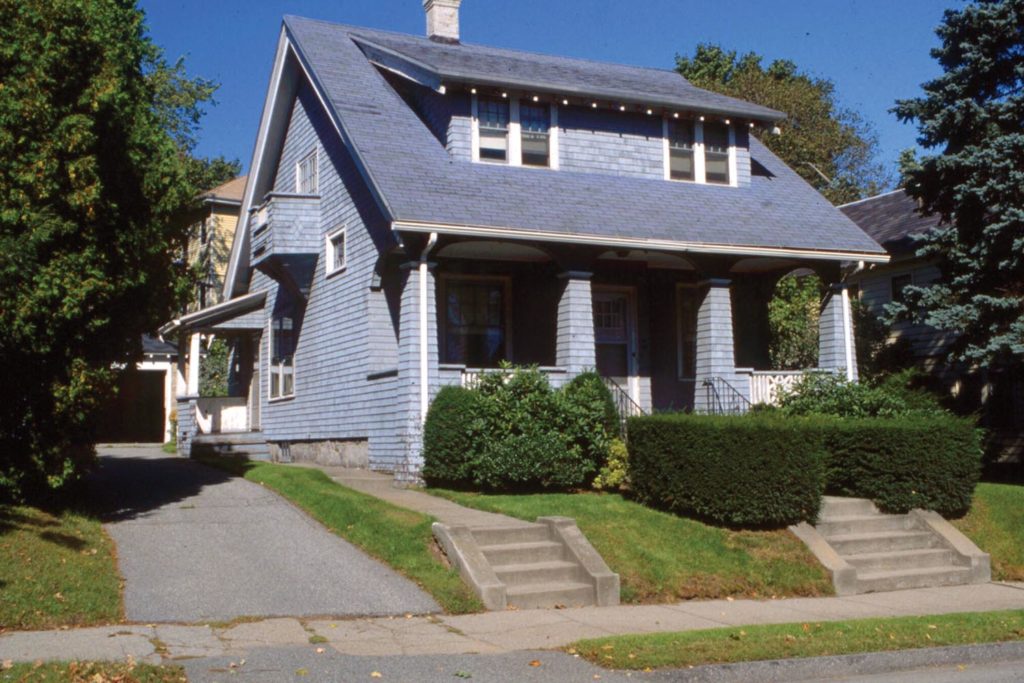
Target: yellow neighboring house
(143,409)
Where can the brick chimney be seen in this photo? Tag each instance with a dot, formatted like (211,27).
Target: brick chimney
(442,20)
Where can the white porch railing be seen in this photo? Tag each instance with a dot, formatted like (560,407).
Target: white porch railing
(215,415)
(470,377)
(766,385)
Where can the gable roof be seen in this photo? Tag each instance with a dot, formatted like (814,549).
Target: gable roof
(891,219)
(489,66)
(229,192)
(419,187)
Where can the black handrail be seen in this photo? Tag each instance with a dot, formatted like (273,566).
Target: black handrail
(625,406)
(723,398)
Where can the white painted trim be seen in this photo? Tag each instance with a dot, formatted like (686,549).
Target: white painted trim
(699,172)
(635,242)
(474,112)
(194,358)
(733,180)
(553,136)
(848,334)
(666,150)
(330,267)
(515,133)
(424,306)
(313,154)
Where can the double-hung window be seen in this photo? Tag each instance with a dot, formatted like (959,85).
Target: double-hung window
(535,123)
(307,179)
(283,338)
(475,322)
(493,115)
(716,153)
(335,251)
(681,150)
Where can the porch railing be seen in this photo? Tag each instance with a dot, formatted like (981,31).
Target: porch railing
(215,415)
(470,377)
(625,406)
(767,386)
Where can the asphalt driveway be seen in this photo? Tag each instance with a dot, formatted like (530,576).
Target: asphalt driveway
(194,544)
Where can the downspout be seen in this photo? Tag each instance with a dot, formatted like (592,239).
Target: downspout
(424,338)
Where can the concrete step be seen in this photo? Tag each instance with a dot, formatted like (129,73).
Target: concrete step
(835,506)
(500,535)
(564,594)
(522,553)
(881,541)
(903,559)
(863,524)
(558,571)
(926,577)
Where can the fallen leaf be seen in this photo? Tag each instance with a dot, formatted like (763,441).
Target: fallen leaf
(730,599)
(376,674)
(319,650)
(571,650)
(463,674)
(7,664)
(535,662)
(609,646)
(302,672)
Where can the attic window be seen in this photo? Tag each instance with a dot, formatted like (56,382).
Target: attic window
(716,153)
(493,116)
(307,180)
(535,122)
(680,150)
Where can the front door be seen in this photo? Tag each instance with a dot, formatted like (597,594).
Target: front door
(615,337)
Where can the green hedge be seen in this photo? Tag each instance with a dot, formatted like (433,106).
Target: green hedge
(513,432)
(737,471)
(930,462)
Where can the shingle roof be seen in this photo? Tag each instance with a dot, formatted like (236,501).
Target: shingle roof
(417,181)
(892,219)
(157,347)
(230,191)
(480,65)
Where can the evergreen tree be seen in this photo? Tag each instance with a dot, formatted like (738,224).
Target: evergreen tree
(832,148)
(96,134)
(972,119)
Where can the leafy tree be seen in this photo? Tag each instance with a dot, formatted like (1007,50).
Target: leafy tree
(831,147)
(96,131)
(793,314)
(215,368)
(972,117)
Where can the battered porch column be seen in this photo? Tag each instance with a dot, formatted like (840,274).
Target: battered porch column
(414,308)
(194,358)
(836,350)
(715,355)
(574,345)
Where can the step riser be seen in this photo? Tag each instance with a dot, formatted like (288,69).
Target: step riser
(500,536)
(896,561)
(953,577)
(502,555)
(865,526)
(574,597)
(527,576)
(883,545)
(846,507)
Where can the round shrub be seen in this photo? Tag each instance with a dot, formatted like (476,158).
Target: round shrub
(588,390)
(450,436)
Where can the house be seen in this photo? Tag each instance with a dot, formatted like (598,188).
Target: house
(419,209)
(997,395)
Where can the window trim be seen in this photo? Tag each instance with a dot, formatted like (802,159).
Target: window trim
(699,154)
(515,133)
(313,154)
(442,313)
(330,266)
(270,366)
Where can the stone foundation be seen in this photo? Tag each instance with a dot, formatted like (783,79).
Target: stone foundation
(343,453)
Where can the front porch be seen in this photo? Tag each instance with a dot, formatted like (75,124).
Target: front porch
(668,332)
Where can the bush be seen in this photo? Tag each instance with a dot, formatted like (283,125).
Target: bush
(449,434)
(514,431)
(750,471)
(588,392)
(830,394)
(614,476)
(930,462)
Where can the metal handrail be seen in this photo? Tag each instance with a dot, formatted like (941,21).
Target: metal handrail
(625,406)
(723,398)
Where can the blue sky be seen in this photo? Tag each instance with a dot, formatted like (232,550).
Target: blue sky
(874,50)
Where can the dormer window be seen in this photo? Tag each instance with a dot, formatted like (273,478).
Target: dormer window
(535,123)
(716,153)
(681,150)
(493,115)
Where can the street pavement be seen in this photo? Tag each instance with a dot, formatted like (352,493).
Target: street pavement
(195,545)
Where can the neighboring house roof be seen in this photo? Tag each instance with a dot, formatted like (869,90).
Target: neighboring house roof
(228,193)
(480,65)
(151,346)
(892,219)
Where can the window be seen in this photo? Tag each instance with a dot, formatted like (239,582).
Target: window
(282,357)
(680,150)
(493,116)
(475,322)
(716,153)
(899,284)
(335,247)
(307,179)
(535,122)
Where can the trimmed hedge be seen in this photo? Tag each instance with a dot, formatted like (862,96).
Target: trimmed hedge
(449,434)
(768,469)
(930,462)
(748,471)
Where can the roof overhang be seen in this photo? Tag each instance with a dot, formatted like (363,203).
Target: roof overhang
(613,242)
(215,314)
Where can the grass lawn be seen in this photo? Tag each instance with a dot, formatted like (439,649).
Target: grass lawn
(55,570)
(786,641)
(996,524)
(93,672)
(398,537)
(663,558)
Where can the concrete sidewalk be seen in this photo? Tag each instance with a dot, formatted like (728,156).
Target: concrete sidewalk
(490,632)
